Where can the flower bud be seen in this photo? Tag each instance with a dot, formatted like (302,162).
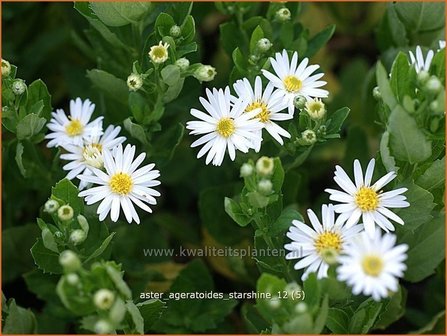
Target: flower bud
(253,59)
(423,76)
(433,85)
(246,170)
(265,187)
(315,108)
(299,102)
(182,63)
(264,44)
(65,213)
(301,308)
(283,14)
(51,206)
(6,68)
(83,223)
(309,137)
(69,261)
(58,234)
(329,255)
(103,327)
(159,53)
(274,302)
(134,82)
(434,106)
(77,236)
(104,299)
(322,130)
(205,73)
(264,166)
(376,93)
(175,31)
(72,279)
(18,87)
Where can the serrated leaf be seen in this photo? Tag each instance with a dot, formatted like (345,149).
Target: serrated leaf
(19,320)
(45,259)
(234,210)
(151,311)
(434,177)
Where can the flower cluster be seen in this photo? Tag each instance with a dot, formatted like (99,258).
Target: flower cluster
(235,122)
(368,261)
(97,157)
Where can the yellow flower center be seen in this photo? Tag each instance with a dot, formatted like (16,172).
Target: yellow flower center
(372,265)
(74,127)
(92,155)
(292,83)
(225,127)
(328,240)
(121,183)
(367,199)
(264,115)
(159,52)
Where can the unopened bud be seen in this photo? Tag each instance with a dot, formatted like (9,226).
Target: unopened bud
(51,206)
(65,213)
(264,44)
(18,87)
(283,14)
(6,68)
(423,76)
(246,170)
(301,308)
(182,63)
(265,187)
(175,31)
(103,327)
(104,299)
(299,102)
(72,279)
(77,236)
(69,261)
(376,93)
(264,166)
(433,85)
(205,73)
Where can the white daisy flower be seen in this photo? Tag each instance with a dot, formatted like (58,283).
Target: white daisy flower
(418,60)
(372,266)
(74,128)
(365,200)
(318,247)
(90,154)
(293,79)
(122,185)
(271,104)
(441,44)
(224,126)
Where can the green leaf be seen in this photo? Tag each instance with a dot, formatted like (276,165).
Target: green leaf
(407,141)
(284,221)
(48,240)
(234,210)
(163,24)
(278,175)
(255,37)
(117,277)
(100,250)
(45,259)
(336,120)
(437,67)
(385,87)
(84,9)
(117,14)
(66,191)
(434,177)
(268,283)
(419,211)
(17,241)
(136,131)
(427,249)
(136,317)
(170,74)
(435,326)
(240,61)
(385,154)
(365,316)
(151,311)
(189,315)
(228,31)
(18,157)
(312,285)
(337,321)
(139,107)
(188,29)
(421,16)
(254,322)
(29,126)
(115,88)
(400,80)
(319,40)
(38,91)
(393,309)
(19,320)
(167,142)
